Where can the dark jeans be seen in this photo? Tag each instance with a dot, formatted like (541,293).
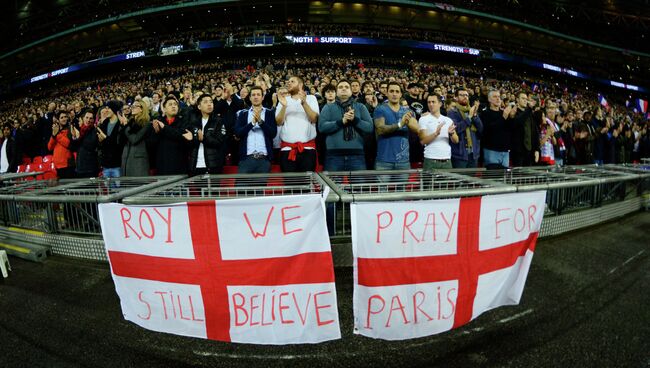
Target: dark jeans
(464,164)
(251,165)
(521,159)
(345,162)
(305,161)
(341,163)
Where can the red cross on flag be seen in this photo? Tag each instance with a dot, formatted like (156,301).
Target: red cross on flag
(255,270)
(425,267)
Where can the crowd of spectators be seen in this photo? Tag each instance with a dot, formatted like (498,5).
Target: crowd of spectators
(344,113)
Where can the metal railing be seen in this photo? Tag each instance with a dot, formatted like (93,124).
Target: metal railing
(398,186)
(71,206)
(25,214)
(576,196)
(11,178)
(211,187)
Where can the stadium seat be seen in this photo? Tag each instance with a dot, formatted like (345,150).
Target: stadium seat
(48,175)
(27,160)
(230,169)
(48,158)
(21,169)
(37,160)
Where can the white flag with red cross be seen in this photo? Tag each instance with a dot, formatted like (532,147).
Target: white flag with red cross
(255,270)
(425,267)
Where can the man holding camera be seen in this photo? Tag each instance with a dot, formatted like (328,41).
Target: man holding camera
(345,123)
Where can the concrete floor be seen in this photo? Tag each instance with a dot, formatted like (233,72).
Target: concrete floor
(586,304)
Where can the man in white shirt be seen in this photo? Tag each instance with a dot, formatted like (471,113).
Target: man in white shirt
(435,132)
(6,150)
(297,114)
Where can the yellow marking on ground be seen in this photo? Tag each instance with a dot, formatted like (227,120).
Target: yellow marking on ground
(26,231)
(16,248)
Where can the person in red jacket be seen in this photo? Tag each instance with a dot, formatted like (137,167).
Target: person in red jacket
(60,144)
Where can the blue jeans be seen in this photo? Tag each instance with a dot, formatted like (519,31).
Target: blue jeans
(112,172)
(382,165)
(496,158)
(345,162)
(341,163)
(464,164)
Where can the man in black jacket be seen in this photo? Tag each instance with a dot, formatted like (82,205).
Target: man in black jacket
(85,142)
(228,108)
(525,133)
(171,139)
(209,136)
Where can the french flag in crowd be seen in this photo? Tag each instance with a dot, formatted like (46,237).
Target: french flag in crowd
(603,101)
(641,105)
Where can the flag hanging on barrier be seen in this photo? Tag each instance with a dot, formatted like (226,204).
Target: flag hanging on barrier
(255,270)
(425,267)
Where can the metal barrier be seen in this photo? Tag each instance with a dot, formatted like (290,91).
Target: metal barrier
(601,187)
(399,185)
(12,178)
(66,212)
(71,206)
(26,214)
(211,187)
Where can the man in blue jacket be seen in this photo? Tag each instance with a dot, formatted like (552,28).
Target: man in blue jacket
(256,128)
(345,123)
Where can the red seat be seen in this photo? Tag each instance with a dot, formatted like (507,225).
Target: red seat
(27,160)
(49,175)
(48,158)
(37,160)
(277,182)
(230,169)
(275,169)
(29,168)
(416,165)
(21,169)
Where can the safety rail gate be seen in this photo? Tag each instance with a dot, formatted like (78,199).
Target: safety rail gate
(396,186)
(70,207)
(12,178)
(228,186)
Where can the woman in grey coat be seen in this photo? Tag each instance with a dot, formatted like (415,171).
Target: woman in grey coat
(135,160)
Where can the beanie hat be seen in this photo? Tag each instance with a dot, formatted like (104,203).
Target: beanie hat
(114,105)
